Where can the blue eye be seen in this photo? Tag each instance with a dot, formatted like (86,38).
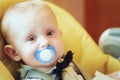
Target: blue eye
(50,33)
(31,38)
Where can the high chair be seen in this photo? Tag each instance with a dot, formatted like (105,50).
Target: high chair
(75,38)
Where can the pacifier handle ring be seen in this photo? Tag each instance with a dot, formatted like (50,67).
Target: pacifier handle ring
(40,55)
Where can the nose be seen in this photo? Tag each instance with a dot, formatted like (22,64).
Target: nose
(43,42)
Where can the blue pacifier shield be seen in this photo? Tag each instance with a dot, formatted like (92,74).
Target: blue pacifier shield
(46,56)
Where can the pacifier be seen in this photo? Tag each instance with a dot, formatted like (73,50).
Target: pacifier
(46,56)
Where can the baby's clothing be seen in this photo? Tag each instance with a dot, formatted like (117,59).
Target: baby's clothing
(66,70)
(28,73)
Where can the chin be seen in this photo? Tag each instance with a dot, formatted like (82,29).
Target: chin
(52,64)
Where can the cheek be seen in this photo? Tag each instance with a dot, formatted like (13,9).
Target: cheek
(60,49)
(28,57)
(26,51)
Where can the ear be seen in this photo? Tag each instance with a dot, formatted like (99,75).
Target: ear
(10,51)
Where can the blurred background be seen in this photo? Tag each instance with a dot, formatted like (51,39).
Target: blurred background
(95,15)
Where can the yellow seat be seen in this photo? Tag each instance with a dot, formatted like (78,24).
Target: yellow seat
(75,38)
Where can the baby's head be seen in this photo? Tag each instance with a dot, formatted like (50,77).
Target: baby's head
(29,27)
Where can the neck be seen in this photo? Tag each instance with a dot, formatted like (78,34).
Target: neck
(43,69)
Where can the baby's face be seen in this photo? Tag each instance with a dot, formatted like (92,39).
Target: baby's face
(33,31)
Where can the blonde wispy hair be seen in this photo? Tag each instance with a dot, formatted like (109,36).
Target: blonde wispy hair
(16,9)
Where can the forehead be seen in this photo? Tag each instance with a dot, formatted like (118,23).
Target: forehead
(28,8)
(34,16)
(27,11)
(21,14)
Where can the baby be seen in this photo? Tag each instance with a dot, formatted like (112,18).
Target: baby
(33,38)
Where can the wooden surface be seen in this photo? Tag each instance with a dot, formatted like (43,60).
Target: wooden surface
(94,15)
